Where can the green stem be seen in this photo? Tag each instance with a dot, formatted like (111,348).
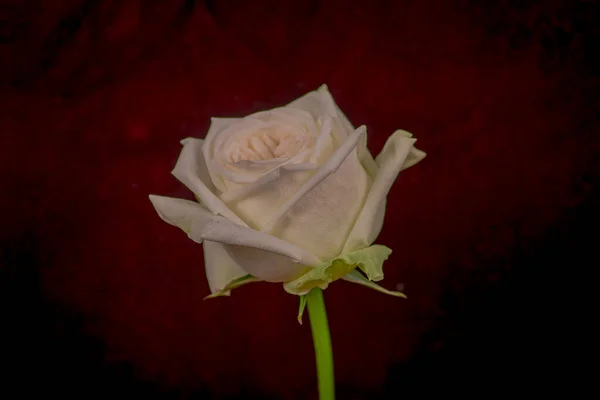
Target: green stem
(322,343)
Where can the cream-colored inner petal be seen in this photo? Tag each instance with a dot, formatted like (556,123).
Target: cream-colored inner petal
(268,143)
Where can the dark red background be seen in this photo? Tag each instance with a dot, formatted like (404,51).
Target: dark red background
(101,299)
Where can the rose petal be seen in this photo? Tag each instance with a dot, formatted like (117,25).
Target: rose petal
(366,159)
(218,149)
(320,103)
(261,255)
(415,154)
(320,214)
(293,117)
(268,266)
(239,156)
(327,169)
(216,126)
(324,146)
(192,171)
(390,162)
(255,202)
(221,269)
(364,155)
(236,283)
(413,158)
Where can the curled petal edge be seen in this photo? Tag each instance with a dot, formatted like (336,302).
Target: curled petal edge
(199,224)
(234,284)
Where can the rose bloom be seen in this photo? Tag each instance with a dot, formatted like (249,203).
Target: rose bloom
(288,195)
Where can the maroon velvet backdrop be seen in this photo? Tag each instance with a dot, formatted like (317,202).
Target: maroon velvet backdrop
(103,298)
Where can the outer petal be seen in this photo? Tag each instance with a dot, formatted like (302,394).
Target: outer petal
(331,166)
(320,103)
(321,213)
(364,155)
(414,156)
(191,170)
(259,254)
(216,126)
(390,161)
(256,202)
(221,269)
(226,291)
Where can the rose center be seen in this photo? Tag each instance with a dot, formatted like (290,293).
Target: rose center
(267,144)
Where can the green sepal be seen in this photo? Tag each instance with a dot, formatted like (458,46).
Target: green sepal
(301,308)
(358,278)
(369,259)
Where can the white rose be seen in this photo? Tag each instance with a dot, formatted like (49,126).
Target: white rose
(287,195)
